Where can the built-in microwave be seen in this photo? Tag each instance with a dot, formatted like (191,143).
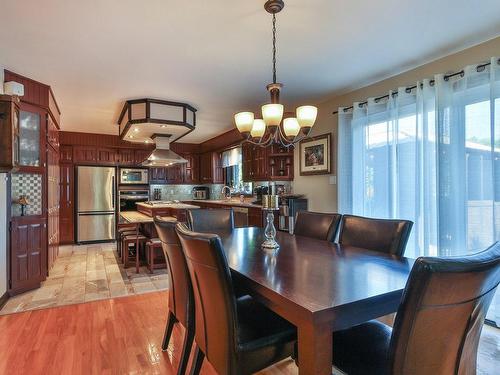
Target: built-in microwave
(135,176)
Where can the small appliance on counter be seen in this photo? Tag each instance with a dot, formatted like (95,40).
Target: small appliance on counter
(259,191)
(157,194)
(134,176)
(289,205)
(201,192)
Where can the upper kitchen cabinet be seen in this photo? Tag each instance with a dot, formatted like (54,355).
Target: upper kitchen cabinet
(192,168)
(141,155)
(254,162)
(107,156)
(84,155)
(126,156)
(95,155)
(158,175)
(9,133)
(264,164)
(32,134)
(175,174)
(66,154)
(211,171)
(52,133)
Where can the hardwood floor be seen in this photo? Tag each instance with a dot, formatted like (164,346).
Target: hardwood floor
(84,273)
(117,336)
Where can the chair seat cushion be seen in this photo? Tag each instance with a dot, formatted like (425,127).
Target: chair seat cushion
(362,349)
(263,337)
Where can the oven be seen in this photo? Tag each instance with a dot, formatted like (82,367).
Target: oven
(135,176)
(128,199)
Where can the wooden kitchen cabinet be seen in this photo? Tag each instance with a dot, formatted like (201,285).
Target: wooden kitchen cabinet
(175,174)
(141,155)
(158,175)
(9,133)
(84,155)
(107,156)
(254,162)
(66,154)
(52,133)
(267,163)
(28,256)
(126,157)
(53,205)
(211,171)
(192,168)
(67,204)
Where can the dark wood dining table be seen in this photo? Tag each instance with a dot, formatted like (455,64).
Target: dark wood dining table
(318,286)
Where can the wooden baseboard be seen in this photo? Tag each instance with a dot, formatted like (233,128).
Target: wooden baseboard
(4,299)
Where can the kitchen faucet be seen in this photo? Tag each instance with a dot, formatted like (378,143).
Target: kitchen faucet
(224,190)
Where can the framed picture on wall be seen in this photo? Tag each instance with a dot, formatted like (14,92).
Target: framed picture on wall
(315,155)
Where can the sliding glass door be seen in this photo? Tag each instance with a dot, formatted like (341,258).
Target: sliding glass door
(430,154)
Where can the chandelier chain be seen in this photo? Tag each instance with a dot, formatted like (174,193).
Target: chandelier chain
(274,48)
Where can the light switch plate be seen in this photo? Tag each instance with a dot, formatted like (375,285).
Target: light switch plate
(333,180)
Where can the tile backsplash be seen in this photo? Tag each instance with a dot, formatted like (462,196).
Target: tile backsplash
(184,192)
(29,185)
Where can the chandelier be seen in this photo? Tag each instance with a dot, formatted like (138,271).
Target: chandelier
(272,128)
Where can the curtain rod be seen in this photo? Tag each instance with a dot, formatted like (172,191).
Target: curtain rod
(408,89)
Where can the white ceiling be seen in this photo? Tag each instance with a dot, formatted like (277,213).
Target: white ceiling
(215,55)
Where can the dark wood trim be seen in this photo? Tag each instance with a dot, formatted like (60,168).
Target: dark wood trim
(43,92)
(222,141)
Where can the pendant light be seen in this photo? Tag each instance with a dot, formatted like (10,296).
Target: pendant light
(272,128)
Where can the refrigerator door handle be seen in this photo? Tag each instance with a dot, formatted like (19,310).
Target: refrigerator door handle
(93,213)
(113,193)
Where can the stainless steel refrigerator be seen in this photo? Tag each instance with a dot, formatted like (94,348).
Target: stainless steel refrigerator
(95,204)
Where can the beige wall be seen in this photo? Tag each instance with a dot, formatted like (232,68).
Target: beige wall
(321,194)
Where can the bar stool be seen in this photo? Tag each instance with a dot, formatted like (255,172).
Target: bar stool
(128,240)
(123,235)
(123,229)
(153,247)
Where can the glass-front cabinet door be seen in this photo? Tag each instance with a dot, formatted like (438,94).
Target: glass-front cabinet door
(32,123)
(29,134)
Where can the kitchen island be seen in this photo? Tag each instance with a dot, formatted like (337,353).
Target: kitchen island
(246,214)
(164,208)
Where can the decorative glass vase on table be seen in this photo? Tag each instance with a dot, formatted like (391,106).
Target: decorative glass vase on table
(269,205)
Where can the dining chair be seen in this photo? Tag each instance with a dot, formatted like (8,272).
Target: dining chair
(211,220)
(180,295)
(438,323)
(384,235)
(321,226)
(236,335)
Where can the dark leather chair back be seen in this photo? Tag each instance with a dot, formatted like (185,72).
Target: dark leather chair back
(215,304)
(181,299)
(439,322)
(317,225)
(384,235)
(211,220)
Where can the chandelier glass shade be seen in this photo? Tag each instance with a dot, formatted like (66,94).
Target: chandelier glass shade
(271,128)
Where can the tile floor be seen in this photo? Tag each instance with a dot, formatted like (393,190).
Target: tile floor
(87,273)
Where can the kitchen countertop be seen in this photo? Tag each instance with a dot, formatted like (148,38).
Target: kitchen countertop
(175,206)
(135,217)
(228,202)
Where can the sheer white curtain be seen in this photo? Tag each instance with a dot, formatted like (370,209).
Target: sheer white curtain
(431,155)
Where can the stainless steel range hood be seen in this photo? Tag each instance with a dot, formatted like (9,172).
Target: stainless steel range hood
(162,156)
